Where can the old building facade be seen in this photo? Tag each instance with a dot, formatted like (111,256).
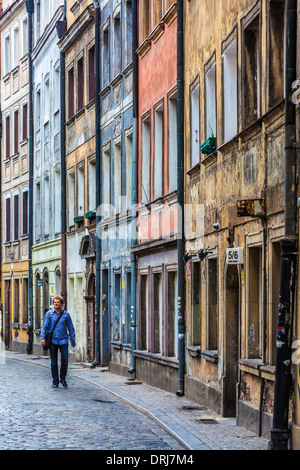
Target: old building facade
(155,248)
(234,139)
(14,174)
(78,47)
(116,137)
(46,227)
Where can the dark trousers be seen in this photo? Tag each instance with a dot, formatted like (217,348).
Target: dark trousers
(64,361)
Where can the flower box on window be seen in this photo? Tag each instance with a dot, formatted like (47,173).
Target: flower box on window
(209,146)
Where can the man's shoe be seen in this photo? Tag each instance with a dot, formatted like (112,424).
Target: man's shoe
(64,383)
(55,386)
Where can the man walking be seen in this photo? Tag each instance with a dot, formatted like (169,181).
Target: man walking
(60,339)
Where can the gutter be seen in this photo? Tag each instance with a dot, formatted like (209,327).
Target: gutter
(30,10)
(180,197)
(134,199)
(97,345)
(280,432)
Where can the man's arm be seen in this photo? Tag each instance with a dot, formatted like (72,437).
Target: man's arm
(45,327)
(71,330)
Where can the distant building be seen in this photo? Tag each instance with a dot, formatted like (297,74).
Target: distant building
(14,174)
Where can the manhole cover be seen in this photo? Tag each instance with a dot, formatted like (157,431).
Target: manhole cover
(207,421)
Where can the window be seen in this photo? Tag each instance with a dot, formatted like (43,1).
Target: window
(7,136)
(71,198)
(80,191)
(117,177)
(196,304)
(38,109)
(106,57)
(158,10)
(158,151)
(255,303)
(16,46)
(92,73)
(37,211)
(128,168)
(276,52)
(211,116)
(128,32)
(47,202)
(106,195)
(230,91)
(251,72)
(70,93)
(57,202)
(117,309)
(172,124)
(25,212)
(46,99)
(80,84)
(171,323)
(117,45)
(92,186)
(6,54)
(156,313)
(145,23)
(25,300)
(56,97)
(25,35)
(127,337)
(24,121)
(7,219)
(143,312)
(16,132)
(212,296)
(16,216)
(146,148)
(195,125)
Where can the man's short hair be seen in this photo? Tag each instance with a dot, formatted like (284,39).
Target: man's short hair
(59,297)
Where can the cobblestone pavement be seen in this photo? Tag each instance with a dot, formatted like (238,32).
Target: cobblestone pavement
(34,416)
(171,416)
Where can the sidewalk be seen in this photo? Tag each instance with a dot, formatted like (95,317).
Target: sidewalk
(180,417)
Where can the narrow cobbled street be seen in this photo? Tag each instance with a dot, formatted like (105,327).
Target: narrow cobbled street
(34,416)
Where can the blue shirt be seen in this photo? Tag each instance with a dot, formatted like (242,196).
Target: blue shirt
(60,334)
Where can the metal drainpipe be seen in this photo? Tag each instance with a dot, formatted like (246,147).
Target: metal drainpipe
(30,10)
(180,182)
(96,361)
(61,29)
(134,199)
(280,433)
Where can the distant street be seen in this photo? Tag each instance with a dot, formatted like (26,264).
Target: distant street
(34,416)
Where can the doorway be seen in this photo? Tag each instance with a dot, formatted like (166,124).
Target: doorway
(90,328)
(231,322)
(7,314)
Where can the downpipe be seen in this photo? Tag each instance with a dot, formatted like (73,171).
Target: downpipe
(180,197)
(29,347)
